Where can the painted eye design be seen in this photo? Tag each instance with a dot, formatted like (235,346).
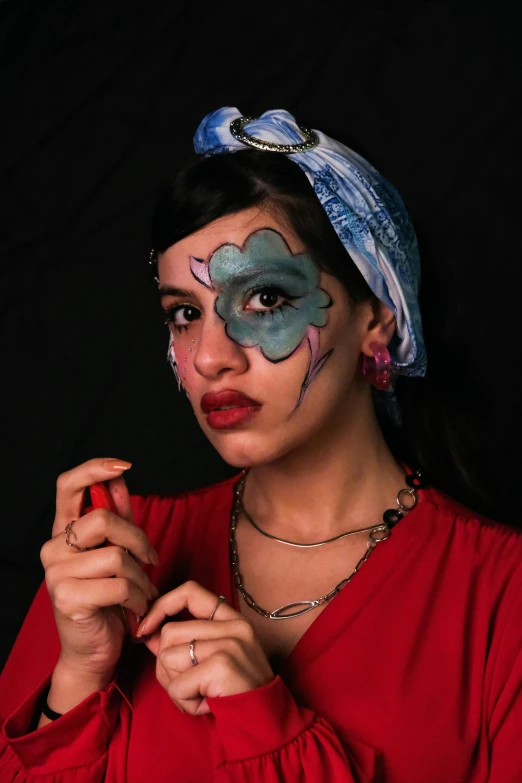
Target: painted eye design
(267,298)
(181,316)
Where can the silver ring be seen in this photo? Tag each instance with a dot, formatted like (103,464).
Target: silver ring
(220,600)
(413,498)
(376,539)
(70,532)
(193,659)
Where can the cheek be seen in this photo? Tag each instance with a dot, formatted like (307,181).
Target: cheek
(184,351)
(279,382)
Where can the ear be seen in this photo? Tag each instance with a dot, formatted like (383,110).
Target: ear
(379,325)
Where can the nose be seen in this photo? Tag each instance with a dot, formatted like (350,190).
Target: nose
(216,353)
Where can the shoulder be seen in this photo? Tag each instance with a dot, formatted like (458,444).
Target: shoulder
(470,548)
(446,509)
(469,569)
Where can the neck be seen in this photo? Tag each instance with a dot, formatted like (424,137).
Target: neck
(343,478)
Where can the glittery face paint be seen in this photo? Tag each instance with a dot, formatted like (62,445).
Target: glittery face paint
(171,358)
(179,369)
(267,298)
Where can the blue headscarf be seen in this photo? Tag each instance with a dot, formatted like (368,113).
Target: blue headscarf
(365,210)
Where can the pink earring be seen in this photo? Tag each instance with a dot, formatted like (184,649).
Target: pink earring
(377,368)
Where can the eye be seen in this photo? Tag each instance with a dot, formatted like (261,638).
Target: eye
(181,316)
(267,298)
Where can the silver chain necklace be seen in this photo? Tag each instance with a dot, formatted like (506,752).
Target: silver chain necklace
(377,533)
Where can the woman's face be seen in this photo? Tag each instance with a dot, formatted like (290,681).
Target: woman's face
(266,344)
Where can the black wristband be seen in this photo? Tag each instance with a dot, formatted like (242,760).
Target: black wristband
(44,707)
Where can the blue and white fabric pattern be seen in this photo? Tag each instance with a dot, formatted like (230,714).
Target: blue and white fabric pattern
(365,210)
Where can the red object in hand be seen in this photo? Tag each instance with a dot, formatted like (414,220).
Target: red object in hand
(101,498)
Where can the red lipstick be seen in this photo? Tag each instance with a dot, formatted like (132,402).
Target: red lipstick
(239,408)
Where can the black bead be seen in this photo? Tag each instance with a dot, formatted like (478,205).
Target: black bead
(392,516)
(416,481)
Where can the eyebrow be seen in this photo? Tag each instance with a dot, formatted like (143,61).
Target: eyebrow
(242,278)
(250,276)
(168,290)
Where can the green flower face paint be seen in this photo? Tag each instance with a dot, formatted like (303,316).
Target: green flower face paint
(264,266)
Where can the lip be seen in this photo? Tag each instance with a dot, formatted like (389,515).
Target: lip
(243,410)
(211,401)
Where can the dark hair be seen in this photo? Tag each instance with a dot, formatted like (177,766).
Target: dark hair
(213,187)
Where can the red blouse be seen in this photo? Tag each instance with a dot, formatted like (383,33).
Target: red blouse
(412,673)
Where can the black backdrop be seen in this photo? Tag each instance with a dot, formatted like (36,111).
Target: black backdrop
(99,102)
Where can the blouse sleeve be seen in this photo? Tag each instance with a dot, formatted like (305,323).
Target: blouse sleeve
(71,748)
(74,747)
(264,735)
(505,698)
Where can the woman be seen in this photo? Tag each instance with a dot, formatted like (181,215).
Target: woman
(325,615)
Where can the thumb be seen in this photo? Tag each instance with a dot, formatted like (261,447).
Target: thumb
(121,498)
(153,642)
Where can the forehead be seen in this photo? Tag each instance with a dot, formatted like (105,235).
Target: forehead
(232,229)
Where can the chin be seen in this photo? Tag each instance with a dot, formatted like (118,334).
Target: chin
(245,449)
(258,443)
(242,455)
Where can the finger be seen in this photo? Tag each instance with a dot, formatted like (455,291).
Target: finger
(184,632)
(176,659)
(111,561)
(179,633)
(120,495)
(212,677)
(153,642)
(80,599)
(71,485)
(186,694)
(94,529)
(192,596)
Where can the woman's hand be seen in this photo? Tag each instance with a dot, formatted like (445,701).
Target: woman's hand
(88,589)
(229,657)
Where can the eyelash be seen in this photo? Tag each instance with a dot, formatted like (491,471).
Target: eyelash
(170,316)
(272,311)
(280,292)
(170,312)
